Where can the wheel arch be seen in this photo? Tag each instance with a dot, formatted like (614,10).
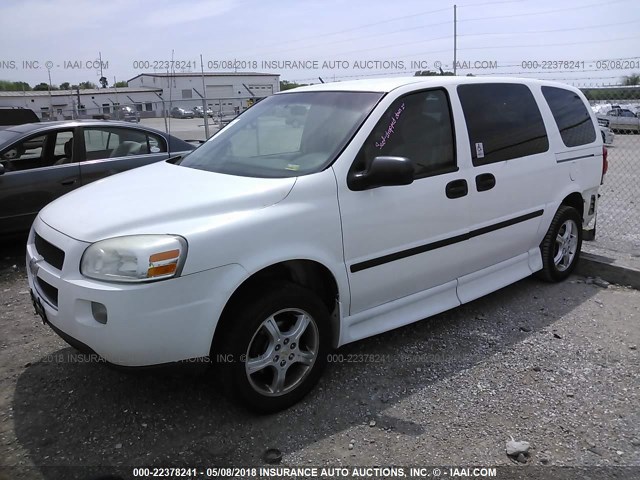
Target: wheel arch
(576,201)
(307,273)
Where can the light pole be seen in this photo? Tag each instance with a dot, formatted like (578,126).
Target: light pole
(455,39)
(50,100)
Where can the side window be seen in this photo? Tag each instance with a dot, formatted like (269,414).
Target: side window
(39,151)
(155,144)
(417,126)
(97,142)
(503,121)
(571,116)
(63,146)
(110,142)
(24,155)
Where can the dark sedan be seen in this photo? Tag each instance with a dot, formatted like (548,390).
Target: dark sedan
(41,161)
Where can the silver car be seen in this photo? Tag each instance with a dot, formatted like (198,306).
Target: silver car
(607,135)
(198,111)
(177,112)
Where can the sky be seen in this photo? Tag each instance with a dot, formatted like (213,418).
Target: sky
(581,42)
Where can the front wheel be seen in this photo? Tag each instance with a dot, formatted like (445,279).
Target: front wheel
(561,246)
(274,346)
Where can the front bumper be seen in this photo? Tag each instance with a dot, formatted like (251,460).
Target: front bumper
(146,324)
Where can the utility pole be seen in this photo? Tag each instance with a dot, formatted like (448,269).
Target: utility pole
(50,100)
(204,102)
(171,79)
(455,39)
(79,104)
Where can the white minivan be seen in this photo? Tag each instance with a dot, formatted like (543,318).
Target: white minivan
(389,201)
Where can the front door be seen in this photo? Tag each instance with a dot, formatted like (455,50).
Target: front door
(38,169)
(402,240)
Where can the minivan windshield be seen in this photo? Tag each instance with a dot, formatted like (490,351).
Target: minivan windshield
(285,135)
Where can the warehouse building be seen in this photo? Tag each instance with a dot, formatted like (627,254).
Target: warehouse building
(226,92)
(88,103)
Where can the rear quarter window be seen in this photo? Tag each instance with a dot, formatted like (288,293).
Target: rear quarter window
(503,121)
(17,116)
(571,116)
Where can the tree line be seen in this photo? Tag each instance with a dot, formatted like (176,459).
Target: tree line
(8,86)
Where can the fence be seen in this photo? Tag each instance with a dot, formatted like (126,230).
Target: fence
(125,111)
(217,108)
(618,221)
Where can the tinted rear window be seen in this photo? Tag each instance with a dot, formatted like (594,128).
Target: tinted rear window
(503,121)
(571,115)
(17,116)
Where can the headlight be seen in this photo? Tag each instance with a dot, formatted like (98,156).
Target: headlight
(135,258)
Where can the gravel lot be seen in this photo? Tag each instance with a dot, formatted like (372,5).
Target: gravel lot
(553,365)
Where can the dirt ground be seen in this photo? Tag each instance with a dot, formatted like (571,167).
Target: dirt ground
(554,365)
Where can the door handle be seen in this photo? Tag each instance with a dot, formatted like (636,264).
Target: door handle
(485,181)
(69,182)
(456,188)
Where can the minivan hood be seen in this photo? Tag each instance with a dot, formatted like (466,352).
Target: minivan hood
(157,194)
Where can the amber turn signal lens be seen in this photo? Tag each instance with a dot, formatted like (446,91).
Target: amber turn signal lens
(170,255)
(162,270)
(163,263)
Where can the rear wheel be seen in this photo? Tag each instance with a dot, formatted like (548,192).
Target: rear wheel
(561,246)
(274,346)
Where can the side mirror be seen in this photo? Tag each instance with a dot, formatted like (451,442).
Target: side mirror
(2,169)
(382,172)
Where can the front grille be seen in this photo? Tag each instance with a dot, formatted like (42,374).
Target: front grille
(51,254)
(49,291)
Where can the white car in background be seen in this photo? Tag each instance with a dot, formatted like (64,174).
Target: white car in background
(607,135)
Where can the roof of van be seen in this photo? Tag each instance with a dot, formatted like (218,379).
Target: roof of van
(389,84)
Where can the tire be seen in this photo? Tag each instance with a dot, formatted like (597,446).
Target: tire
(257,329)
(561,246)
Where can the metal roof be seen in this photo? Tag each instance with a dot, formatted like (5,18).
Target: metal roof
(207,74)
(88,91)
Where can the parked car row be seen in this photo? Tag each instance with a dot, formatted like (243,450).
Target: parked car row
(125,113)
(199,112)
